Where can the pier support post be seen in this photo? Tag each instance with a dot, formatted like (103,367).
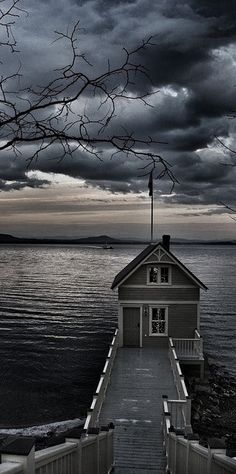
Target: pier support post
(20,450)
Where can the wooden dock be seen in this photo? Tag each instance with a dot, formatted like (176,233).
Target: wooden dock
(129,394)
(134,404)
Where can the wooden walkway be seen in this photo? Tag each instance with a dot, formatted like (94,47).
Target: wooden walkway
(134,404)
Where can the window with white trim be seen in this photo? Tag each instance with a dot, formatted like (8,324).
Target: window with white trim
(153,274)
(158,325)
(159,275)
(164,274)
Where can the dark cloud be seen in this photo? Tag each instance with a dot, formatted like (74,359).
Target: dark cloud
(202,179)
(192,63)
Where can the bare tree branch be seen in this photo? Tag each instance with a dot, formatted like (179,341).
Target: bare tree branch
(54,113)
(225,146)
(228,207)
(232,209)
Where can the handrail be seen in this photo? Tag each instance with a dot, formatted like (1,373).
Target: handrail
(221,460)
(190,348)
(180,409)
(11,468)
(190,339)
(53,453)
(96,405)
(187,455)
(85,454)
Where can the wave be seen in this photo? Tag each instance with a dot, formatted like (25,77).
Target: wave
(44,430)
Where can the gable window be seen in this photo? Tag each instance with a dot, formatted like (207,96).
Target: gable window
(158,321)
(153,275)
(164,276)
(159,275)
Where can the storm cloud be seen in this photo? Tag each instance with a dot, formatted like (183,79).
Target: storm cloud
(192,63)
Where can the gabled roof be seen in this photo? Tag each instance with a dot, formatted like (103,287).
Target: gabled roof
(142,257)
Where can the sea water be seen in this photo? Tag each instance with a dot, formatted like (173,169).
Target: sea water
(58,315)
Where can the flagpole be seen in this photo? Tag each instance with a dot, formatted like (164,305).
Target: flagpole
(152,217)
(150,187)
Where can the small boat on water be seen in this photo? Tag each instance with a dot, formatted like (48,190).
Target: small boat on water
(107,247)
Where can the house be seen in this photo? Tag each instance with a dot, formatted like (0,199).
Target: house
(158,298)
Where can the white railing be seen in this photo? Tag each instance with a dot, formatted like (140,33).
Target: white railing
(189,348)
(60,458)
(11,468)
(177,410)
(180,409)
(98,398)
(177,372)
(186,456)
(91,454)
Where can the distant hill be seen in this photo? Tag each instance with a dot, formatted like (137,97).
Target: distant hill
(103,239)
(100,239)
(8,238)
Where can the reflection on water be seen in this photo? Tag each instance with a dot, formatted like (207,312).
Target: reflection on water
(58,314)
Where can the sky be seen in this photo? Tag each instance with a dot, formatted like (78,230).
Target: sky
(192,66)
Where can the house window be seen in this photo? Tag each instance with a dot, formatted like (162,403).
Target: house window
(164,275)
(153,275)
(158,321)
(158,275)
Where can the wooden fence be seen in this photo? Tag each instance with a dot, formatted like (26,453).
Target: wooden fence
(184,453)
(189,348)
(91,454)
(180,409)
(98,398)
(187,456)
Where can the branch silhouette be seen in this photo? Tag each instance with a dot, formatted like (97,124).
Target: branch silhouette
(54,112)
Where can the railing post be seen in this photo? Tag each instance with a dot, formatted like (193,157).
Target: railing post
(175,454)
(90,413)
(98,453)
(188,426)
(95,433)
(105,429)
(74,437)
(20,450)
(110,446)
(191,439)
(171,440)
(215,446)
(201,346)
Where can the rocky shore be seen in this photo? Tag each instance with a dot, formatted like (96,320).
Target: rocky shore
(214,405)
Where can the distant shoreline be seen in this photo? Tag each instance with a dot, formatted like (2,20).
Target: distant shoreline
(75,242)
(101,240)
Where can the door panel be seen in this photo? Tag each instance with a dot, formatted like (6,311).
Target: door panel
(131,326)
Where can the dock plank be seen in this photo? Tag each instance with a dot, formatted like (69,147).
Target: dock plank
(134,404)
